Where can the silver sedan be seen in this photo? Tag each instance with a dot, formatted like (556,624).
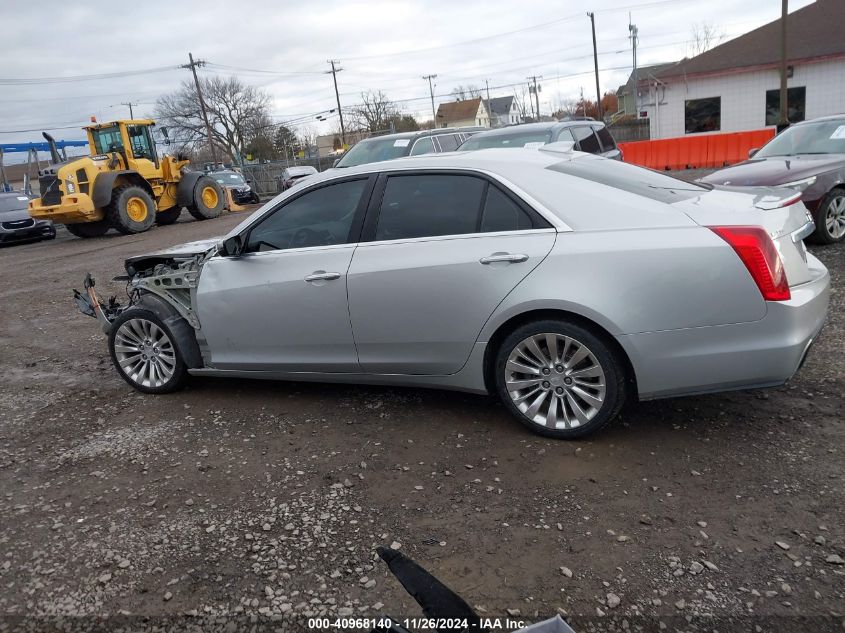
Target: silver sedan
(563,283)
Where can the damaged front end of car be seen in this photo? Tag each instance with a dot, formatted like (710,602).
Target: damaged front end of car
(167,280)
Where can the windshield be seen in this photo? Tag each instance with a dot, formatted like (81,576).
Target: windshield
(229,179)
(517,139)
(824,137)
(375,151)
(13,203)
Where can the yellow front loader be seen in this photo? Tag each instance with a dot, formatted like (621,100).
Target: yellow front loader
(123,184)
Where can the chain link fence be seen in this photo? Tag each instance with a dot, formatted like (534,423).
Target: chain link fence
(266,178)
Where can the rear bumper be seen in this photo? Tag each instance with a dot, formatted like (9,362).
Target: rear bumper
(760,353)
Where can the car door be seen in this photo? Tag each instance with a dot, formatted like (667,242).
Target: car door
(281,305)
(440,251)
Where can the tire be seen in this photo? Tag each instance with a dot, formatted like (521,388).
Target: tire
(206,206)
(580,408)
(255,198)
(139,327)
(170,216)
(132,210)
(88,229)
(830,218)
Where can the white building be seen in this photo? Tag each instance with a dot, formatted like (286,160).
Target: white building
(502,111)
(735,86)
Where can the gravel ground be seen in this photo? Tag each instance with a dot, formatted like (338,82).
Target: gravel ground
(238,503)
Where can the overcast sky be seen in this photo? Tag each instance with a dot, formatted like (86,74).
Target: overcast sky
(381,45)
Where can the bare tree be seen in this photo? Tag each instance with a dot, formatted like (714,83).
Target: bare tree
(703,37)
(523,102)
(238,114)
(374,112)
(462,93)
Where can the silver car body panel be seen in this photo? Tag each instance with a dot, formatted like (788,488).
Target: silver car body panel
(669,291)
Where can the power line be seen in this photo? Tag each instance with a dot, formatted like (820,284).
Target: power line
(23,81)
(334,71)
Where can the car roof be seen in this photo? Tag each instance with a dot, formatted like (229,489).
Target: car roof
(7,195)
(419,133)
(300,169)
(544,126)
(832,117)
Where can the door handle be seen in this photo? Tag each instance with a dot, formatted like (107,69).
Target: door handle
(513,258)
(322,276)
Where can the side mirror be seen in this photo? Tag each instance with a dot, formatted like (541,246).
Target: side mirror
(753,151)
(231,247)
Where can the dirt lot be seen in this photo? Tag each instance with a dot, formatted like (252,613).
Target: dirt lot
(261,499)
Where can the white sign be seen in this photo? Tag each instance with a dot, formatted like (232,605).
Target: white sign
(839,132)
(401,142)
(23,198)
(534,145)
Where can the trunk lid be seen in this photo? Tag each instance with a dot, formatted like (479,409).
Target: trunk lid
(779,211)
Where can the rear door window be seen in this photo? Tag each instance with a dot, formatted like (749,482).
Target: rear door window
(429,205)
(587,139)
(423,146)
(565,135)
(503,214)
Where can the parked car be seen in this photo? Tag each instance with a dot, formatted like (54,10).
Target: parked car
(292,175)
(808,157)
(381,148)
(588,135)
(15,223)
(560,281)
(241,188)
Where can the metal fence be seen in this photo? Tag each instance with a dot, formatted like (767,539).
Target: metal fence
(267,177)
(630,130)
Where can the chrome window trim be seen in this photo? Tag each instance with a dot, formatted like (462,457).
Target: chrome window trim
(457,236)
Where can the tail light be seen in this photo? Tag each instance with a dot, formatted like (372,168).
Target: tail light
(757,251)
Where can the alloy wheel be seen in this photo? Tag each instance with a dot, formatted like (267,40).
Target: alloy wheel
(555,381)
(145,353)
(835,217)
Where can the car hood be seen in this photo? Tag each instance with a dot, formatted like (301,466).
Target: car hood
(14,214)
(775,170)
(139,263)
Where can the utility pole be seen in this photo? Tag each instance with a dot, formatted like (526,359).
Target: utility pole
(536,91)
(489,107)
(431,92)
(130,104)
(334,71)
(634,32)
(596,62)
(784,118)
(193,66)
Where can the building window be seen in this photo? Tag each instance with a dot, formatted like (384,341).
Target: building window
(703,115)
(795,102)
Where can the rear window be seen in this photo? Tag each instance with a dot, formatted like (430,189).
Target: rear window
(517,139)
(448,142)
(637,180)
(375,151)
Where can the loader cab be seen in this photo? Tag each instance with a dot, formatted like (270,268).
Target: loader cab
(132,140)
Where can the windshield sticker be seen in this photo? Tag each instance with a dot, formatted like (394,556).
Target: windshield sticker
(401,142)
(838,133)
(534,145)
(23,198)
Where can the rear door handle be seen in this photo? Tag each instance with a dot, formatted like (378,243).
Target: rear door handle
(320,275)
(513,258)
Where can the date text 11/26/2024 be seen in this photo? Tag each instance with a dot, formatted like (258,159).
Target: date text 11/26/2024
(367,624)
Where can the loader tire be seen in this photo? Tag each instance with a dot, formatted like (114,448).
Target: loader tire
(88,229)
(209,199)
(132,210)
(168,217)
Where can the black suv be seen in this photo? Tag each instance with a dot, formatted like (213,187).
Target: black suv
(587,134)
(381,148)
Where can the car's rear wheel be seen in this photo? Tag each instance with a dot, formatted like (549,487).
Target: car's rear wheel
(89,229)
(559,379)
(831,225)
(143,351)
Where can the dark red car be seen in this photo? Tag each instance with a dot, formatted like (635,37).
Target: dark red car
(808,157)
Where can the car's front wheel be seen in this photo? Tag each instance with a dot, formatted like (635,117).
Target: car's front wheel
(143,352)
(559,379)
